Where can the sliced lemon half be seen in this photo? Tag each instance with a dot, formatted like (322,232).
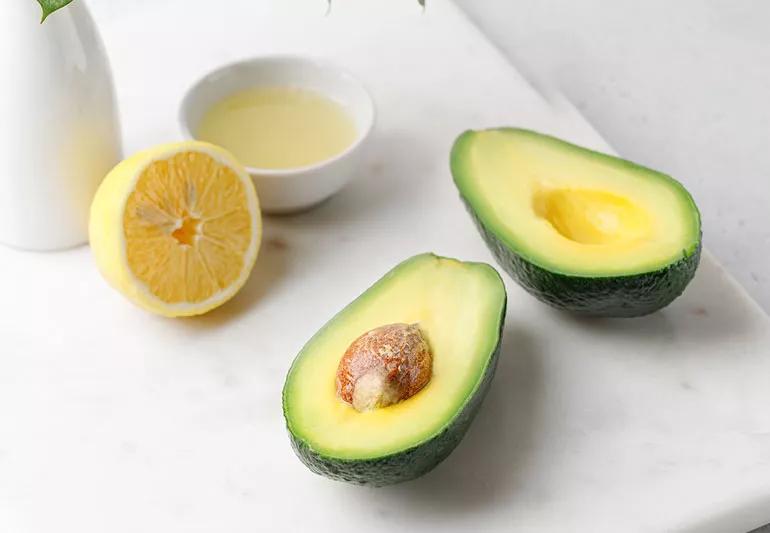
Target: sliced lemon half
(177,228)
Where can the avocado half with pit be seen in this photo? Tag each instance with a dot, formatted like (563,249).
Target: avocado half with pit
(444,317)
(580,230)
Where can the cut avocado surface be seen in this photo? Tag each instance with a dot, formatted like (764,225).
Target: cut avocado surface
(580,230)
(459,308)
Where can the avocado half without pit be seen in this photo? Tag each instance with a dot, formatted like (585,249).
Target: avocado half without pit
(580,230)
(387,389)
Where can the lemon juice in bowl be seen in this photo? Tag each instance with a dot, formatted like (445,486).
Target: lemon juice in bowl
(300,125)
(279,127)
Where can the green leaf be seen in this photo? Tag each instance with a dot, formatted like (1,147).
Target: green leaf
(49,6)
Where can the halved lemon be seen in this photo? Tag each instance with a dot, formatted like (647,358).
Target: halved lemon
(177,228)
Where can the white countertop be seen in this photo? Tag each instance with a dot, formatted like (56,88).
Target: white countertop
(117,420)
(679,86)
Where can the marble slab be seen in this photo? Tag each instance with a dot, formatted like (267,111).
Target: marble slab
(115,420)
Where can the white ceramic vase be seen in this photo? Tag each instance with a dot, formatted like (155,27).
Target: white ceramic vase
(59,131)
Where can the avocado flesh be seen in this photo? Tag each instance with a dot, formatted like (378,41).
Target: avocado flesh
(580,230)
(460,309)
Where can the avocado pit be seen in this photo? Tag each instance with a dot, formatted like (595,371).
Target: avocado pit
(384,366)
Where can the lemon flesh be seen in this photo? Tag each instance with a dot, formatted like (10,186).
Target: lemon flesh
(177,228)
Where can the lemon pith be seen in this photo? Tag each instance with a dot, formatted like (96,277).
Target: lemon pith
(176,228)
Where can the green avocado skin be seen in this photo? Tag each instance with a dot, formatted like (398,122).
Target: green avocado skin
(614,296)
(631,295)
(413,462)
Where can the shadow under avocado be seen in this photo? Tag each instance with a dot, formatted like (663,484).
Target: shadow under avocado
(710,310)
(492,459)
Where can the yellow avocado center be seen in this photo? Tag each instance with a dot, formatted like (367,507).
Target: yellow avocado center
(457,307)
(591,216)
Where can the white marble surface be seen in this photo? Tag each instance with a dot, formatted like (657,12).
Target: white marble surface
(680,86)
(116,420)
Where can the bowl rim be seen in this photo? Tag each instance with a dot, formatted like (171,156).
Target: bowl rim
(260,61)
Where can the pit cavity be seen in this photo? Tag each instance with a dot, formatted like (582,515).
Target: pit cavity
(592,217)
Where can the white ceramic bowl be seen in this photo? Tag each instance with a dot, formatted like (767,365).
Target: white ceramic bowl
(289,190)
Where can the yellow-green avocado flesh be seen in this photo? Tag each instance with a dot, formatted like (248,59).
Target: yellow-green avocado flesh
(582,231)
(460,309)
